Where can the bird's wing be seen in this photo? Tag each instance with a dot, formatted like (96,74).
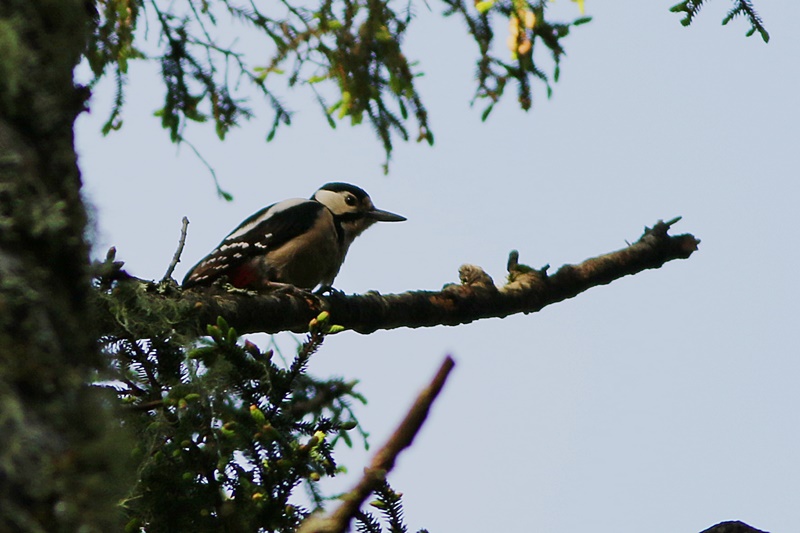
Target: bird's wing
(265,230)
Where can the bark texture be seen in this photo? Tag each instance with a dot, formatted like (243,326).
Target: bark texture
(55,451)
(132,307)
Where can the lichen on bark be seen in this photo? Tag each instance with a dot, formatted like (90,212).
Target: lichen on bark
(58,455)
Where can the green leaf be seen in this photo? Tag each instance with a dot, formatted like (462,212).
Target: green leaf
(486,112)
(133,525)
(199,353)
(331,122)
(111,125)
(383,35)
(484,6)
(334,107)
(677,8)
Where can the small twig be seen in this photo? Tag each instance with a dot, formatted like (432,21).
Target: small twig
(323,397)
(134,389)
(223,194)
(339,520)
(143,360)
(177,257)
(146,406)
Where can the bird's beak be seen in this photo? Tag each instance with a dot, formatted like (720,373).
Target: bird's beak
(384,216)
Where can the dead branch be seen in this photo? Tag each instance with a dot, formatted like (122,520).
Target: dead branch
(383,461)
(177,257)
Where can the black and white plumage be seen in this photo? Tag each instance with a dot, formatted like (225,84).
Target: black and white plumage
(298,242)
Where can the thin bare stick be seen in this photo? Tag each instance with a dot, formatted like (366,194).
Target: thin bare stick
(177,257)
(225,195)
(339,520)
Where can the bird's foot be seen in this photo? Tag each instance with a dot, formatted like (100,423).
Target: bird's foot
(276,287)
(328,290)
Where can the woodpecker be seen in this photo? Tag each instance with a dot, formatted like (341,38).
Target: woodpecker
(296,241)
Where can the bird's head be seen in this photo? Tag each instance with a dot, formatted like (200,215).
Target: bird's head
(352,207)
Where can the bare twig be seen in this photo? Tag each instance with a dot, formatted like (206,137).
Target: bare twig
(146,406)
(225,195)
(339,520)
(177,257)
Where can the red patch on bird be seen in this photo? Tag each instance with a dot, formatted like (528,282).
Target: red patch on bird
(243,277)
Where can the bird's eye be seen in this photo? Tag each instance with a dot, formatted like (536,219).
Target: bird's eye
(350,200)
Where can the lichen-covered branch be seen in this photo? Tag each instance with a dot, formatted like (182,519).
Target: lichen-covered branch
(477,297)
(383,461)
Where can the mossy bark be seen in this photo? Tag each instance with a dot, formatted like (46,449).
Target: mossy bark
(56,451)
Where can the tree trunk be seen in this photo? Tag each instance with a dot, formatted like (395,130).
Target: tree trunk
(56,451)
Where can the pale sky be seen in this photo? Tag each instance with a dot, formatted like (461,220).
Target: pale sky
(664,402)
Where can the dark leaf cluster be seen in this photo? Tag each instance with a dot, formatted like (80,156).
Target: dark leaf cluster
(224,433)
(390,505)
(351,48)
(111,47)
(743,8)
(528,30)
(347,52)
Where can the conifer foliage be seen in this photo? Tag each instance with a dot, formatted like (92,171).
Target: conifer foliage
(225,433)
(349,55)
(741,8)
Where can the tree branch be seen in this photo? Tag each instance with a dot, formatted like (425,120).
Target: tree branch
(383,461)
(177,257)
(527,291)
